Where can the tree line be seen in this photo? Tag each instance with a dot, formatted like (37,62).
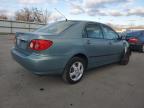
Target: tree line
(30,15)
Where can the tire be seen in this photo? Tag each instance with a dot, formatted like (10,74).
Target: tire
(125,57)
(142,49)
(72,74)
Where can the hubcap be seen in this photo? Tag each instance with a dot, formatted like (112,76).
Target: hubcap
(125,50)
(76,71)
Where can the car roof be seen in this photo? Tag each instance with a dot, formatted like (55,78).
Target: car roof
(136,31)
(83,21)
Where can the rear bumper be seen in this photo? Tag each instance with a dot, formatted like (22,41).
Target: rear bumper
(136,47)
(40,64)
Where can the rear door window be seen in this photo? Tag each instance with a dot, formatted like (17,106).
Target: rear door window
(94,31)
(133,34)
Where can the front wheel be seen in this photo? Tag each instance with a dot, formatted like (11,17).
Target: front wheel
(125,57)
(74,70)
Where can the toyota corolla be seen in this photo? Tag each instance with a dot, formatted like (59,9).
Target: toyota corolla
(68,48)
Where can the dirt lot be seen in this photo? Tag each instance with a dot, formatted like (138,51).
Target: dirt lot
(111,86)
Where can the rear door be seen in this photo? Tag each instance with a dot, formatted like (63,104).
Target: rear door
(114,44)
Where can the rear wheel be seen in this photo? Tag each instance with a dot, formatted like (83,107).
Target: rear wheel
(74,70)
(125,57)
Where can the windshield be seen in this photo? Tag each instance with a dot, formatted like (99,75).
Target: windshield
(55,28)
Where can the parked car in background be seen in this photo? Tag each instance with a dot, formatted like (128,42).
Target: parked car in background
(136,40)
(68,48)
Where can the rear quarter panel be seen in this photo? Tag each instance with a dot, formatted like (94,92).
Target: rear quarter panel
(67,44)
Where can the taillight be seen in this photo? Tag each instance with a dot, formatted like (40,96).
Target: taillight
(40,45)
(133,40)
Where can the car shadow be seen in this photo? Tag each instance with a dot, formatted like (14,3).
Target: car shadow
(100,69)
(51,80)
(39,80)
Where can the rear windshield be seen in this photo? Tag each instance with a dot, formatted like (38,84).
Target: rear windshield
(55,28)
(133,34)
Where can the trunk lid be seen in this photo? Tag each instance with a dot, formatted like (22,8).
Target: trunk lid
(23,40)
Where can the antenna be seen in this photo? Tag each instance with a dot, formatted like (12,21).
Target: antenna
(61,14)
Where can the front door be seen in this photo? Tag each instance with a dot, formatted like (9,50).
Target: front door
(115,45)
(95,44)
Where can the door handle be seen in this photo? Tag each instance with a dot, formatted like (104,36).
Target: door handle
(88,41)
(110,43)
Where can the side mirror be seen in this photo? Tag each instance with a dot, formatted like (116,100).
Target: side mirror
(84,35)
(122,37)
